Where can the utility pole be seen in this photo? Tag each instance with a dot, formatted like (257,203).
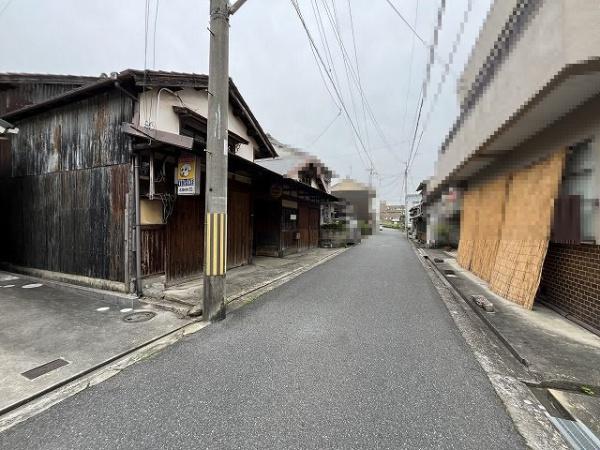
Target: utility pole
(371,173)
(406,197)
(215,218)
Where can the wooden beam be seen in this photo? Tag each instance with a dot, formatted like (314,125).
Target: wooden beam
(165,137)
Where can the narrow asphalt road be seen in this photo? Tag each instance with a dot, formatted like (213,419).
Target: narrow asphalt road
(359,352)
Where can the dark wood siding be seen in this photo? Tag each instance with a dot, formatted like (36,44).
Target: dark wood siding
(185,239)
(5,158)
(314,225)
(82,135)
(64,202)
(153,243)
(185,233)
(239,226)
(267,227)
(71,222)
(308,224)
(18,96)
(303,227)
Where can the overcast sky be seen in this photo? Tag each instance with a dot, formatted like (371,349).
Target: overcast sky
(273,66)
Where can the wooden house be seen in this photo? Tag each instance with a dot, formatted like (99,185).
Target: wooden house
(101,164)
(294,218)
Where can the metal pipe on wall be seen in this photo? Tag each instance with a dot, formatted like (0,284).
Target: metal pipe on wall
(138,240)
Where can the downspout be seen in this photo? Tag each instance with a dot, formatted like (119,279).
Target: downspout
(138,240)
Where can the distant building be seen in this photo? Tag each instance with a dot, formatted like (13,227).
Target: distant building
(292,223)
(391,213)
(363,199)
(412,200)
(295,163)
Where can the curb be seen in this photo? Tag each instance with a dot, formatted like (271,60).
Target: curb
(246,298)
(27,408)
(292,274)
(477,311)
(35,404)
(81,374)
(178,306)
(520,404)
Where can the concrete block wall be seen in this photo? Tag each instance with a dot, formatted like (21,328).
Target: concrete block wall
(571,280)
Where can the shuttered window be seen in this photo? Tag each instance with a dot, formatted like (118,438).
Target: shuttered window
(579,181)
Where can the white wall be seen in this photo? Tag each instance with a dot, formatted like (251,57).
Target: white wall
(159,114)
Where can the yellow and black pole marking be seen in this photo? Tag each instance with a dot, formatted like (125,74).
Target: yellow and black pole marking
(215,244)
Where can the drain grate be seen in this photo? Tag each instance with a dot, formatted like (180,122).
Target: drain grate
(139,316)
(36,372)
(449,272)
(438,260)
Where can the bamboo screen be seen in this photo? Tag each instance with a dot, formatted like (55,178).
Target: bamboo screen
(505,227)
(526,230)
(468,227)
(492,197)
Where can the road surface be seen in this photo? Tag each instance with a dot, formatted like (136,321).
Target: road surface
(359,352)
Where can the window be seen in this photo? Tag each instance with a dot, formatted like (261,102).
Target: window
(580,179)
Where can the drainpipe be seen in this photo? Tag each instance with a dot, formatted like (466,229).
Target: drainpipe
(138,240)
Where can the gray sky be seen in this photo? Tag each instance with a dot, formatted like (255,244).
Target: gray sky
(272,64)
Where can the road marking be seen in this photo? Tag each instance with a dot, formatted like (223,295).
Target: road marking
(126,310)
(8,278)
(32,286)
(102,308)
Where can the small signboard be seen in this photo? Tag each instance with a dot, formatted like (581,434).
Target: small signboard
(188,175)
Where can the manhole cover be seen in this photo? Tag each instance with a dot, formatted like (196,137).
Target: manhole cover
(139,316)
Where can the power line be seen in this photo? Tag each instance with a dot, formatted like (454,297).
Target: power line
(320,135)
(414,31)
(352,29)
(407,24)
(335,89)
(154,36)
(146,25)
(330,68)
(336,29)
(408,85)
(324,41)
(321,74)
(427,78)
(361,91)
(453,51)
(5,7)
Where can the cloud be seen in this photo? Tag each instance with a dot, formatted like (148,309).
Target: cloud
(272,64)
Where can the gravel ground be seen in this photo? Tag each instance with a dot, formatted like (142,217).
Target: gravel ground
(358,353)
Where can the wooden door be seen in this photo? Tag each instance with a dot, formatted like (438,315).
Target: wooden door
(153,245)
(314,225)
(304,227)
(185,239)
(239,226)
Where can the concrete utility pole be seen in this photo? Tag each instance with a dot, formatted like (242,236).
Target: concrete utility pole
(406,198)
(215,219)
